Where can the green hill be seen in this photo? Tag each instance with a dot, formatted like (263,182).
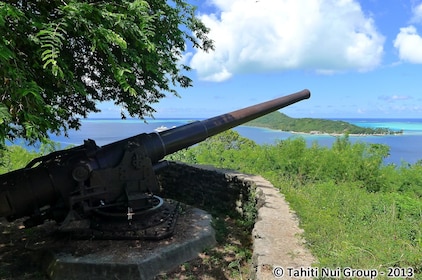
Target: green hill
(280,121)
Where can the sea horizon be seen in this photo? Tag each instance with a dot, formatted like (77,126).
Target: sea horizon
(204,118)
(404,147)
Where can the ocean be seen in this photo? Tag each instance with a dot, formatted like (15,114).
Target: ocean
(406,147)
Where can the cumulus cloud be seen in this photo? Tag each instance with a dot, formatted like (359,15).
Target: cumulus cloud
(325,36)
(408,42)
(409,45)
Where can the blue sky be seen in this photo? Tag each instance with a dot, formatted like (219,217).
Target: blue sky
(359,59)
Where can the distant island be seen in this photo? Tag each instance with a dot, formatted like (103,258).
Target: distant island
(280,121)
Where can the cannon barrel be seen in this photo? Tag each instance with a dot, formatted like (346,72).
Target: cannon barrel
(175,139)
(89,177)
(160,144)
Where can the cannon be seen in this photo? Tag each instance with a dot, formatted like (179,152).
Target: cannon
(110,192)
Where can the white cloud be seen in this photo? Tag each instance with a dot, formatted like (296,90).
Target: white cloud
(265,35)
(185,58)
(400,97)
(409,44)
(417,14)
(393,98)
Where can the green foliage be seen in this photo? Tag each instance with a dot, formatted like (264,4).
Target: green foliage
(355,211)
(58,59)
(15,157)
(5,118)
(277,120)
(220,150)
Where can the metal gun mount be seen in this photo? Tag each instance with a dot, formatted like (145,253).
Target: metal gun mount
(110,192)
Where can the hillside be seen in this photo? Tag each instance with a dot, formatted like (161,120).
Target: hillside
(280,121)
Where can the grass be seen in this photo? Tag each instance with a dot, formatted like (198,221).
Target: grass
(346,226)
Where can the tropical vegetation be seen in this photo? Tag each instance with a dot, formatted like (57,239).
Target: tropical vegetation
(59,59)
(280,121)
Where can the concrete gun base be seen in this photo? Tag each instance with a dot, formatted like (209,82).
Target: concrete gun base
(143,261)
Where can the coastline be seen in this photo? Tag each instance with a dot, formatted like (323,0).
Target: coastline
(342,134)
(329,134)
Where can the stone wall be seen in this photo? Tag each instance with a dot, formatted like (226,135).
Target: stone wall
(206,187)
